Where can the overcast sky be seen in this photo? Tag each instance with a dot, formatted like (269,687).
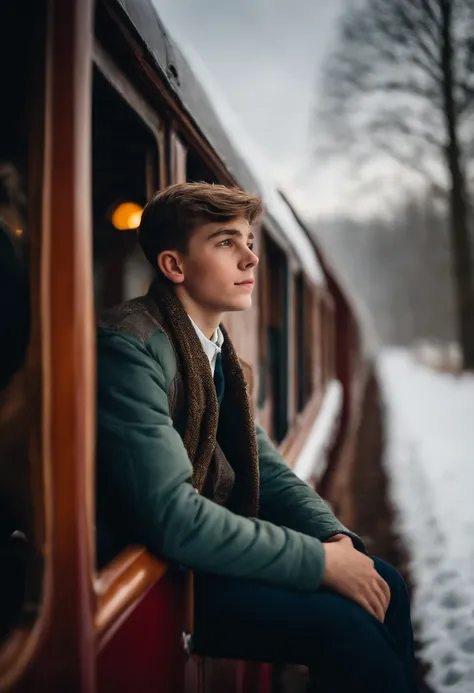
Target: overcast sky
(266,57)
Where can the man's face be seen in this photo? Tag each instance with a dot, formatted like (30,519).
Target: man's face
(218,268)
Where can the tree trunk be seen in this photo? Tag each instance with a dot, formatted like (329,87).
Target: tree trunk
(459,211)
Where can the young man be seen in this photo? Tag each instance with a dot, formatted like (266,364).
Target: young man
(183,469)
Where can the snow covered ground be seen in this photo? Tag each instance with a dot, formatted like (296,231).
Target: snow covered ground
(430,462)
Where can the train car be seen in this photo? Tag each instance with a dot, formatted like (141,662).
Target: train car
(100,110)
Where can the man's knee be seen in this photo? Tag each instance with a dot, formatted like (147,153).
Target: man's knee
(391,575)
(399,596)
(355,637)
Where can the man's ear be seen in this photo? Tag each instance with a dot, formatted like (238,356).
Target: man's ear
(170,265)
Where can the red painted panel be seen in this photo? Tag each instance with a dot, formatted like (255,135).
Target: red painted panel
(234,676)
(257,678)
(193,675)
(144,654)
(223,675)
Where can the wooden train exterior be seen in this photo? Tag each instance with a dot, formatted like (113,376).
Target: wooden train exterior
(101,108)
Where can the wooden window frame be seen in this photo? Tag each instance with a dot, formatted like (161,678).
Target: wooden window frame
(178,158)
(59,648)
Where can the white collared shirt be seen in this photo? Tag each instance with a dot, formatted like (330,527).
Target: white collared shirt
(212,346)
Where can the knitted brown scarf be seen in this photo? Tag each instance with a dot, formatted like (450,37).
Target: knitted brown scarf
(233,426)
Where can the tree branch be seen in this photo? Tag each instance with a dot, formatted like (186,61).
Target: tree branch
(396,22)
(411,88)
(466,103)
(412,163)
(390,54)
(394,122)
(431,13)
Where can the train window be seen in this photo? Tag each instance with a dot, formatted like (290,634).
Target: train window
(276,291)
(126,172)
(308,356)
(302,318)
(324,341)
(20,367)
(263,304)
(330,341)
(314,339)
(312,355)
(317,332)
(197,169)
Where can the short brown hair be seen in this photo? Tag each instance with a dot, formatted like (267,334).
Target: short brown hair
(171,216)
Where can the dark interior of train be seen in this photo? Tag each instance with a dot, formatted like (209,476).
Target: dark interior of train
(125,171)
(277,277)
(17,108)
(197,170)
(304,311)
(301,316)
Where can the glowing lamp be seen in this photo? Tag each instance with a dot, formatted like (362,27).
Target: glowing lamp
(127,216)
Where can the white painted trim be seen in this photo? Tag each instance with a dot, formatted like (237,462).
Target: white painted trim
(312,460)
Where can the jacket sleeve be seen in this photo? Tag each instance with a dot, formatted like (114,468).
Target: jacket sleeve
(288,501)
(148,475)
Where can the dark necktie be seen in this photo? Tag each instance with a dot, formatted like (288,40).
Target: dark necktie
(219,380)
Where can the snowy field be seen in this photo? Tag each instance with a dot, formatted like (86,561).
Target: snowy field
(430,463)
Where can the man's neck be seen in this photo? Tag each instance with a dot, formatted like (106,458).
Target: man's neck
(207,321)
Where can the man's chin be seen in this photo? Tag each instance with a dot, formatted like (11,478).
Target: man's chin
(236,306)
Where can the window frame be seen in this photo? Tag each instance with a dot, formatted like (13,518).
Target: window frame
(136,101)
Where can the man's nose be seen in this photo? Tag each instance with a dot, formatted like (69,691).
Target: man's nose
(250,259)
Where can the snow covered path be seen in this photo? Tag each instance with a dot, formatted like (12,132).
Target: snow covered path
(429,459)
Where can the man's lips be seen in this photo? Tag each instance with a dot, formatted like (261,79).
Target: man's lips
(246,282)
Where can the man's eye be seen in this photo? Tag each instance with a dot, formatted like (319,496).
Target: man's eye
(227,242)
(250,246)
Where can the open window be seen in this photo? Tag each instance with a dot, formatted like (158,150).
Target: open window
(21,184)
(197,168)
(127,160)
(305,351)
(324,340)
(328,339)
(274,336)
(331,345)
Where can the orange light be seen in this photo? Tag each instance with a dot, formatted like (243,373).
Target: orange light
(127,216)
(18,233)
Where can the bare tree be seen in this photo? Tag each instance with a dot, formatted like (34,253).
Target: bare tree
(401,79)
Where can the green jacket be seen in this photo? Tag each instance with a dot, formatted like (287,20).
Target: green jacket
(144,494)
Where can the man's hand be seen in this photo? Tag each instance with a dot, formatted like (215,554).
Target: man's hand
(353,575)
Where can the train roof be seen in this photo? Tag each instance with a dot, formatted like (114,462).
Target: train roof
(195,90)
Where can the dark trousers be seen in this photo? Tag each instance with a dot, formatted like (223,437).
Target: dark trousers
(346,649)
